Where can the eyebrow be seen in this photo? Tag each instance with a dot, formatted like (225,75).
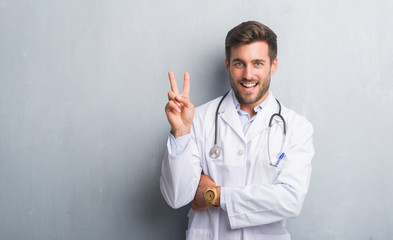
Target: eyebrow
(241,60)
(258,60)
(237,59)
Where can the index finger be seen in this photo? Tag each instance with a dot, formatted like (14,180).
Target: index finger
(186,85)
(173,83)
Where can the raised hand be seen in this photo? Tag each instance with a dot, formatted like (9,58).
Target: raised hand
(179,109)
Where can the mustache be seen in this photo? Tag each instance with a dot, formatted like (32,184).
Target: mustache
(245,80)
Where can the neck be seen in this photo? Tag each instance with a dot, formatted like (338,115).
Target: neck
(249,107)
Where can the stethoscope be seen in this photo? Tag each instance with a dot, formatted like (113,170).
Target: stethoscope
(216,150)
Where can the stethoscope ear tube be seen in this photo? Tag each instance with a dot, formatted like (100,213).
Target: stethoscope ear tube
(216,119)
(280,116)
(283,137)
(216,151)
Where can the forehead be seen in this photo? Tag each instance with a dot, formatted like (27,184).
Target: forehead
(251,51)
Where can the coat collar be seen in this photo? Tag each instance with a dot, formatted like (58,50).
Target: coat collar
(261,122)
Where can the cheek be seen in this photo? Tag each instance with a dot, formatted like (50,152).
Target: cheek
(236,73)
(262,74)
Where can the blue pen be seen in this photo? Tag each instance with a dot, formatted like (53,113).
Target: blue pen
(280,158)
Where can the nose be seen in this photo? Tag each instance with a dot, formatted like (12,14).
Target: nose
(247,72)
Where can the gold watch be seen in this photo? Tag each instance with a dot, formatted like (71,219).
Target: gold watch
(211,196)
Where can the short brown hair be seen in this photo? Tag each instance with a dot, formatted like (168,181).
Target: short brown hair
(249,32)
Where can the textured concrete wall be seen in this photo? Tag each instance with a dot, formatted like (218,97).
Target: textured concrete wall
(82,125)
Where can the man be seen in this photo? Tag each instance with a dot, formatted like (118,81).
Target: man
(257,174)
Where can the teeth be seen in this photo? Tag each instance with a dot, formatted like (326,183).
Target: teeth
(248,85)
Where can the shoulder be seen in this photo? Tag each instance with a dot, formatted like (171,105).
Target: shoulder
(291,117)
(296,122)
(206,110)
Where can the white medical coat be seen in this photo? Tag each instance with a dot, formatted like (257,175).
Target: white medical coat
(259,197)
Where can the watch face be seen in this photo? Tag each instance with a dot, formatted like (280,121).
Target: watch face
(209,195)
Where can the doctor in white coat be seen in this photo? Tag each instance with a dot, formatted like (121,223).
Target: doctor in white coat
(259,179)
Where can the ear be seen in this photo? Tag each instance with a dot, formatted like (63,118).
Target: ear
(274,66)
(227,64)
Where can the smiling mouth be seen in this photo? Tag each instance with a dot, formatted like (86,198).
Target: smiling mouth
(248,85)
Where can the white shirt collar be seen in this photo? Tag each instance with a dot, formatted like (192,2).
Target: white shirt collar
(256,108)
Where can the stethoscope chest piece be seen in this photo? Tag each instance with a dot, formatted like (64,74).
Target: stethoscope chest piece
(215,152)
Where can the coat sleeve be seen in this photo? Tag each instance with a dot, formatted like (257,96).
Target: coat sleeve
(255,205)
(180,174)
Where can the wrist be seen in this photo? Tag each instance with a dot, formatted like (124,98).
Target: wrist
(217,202)
(212,195)
(180,132)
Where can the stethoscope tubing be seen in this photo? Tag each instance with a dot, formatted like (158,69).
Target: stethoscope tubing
(216,119)
(216,150)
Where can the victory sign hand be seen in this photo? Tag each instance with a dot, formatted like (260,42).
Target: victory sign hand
(179,109)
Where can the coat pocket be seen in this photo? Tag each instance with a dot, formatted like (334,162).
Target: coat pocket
(227,175)
(199,234)
(272,237)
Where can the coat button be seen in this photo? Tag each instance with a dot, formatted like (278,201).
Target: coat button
(240,152)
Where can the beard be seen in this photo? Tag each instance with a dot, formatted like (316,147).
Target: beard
(248,98)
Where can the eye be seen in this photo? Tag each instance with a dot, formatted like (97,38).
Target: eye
(259,64)
(238,64)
